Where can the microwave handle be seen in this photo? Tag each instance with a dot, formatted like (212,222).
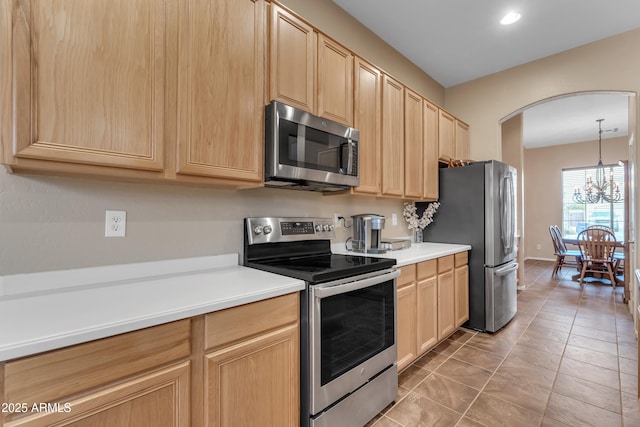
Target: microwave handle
(350,156)
(327,291)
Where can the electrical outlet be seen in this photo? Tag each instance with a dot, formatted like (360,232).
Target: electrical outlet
(115,224)
(394,219)
(538,246)
(336,220)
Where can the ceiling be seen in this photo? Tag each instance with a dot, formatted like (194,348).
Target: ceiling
(573,119)
(455,41)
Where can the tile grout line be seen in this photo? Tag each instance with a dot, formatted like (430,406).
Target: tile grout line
(532,284)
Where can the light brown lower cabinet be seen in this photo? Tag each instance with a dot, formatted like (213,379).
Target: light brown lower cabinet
(446,297)
(461,284)
(252,373)
(433,300)
(406,323)
(427,275)
(228,368)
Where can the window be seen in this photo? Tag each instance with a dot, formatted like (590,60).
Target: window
(578,216)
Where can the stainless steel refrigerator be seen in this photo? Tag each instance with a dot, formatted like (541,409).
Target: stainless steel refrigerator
(478,207)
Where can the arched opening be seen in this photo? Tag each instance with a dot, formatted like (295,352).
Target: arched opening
(555,126)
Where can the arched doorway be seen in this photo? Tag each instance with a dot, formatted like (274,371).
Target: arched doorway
(555,119)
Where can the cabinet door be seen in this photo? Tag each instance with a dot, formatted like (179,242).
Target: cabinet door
(292,60)
(88,82)
(413,145)
(446,309)
(335,81)
(220,89)
(461,281)
(427,314)
(462,140)
(159,398)
(430,160)
(255,382)
(392,158)
(446,136)
(427,304)
(367,90)
(406,323)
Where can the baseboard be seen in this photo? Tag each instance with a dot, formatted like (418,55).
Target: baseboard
(539,259)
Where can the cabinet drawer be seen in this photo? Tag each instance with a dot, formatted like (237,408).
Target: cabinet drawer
(427,269)
(445,263)
(461,258)
(232,324)
(407,275)
(50,376)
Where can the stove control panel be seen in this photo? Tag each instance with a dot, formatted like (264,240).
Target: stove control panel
(272,229)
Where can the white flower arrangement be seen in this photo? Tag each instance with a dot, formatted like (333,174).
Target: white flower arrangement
(411,216)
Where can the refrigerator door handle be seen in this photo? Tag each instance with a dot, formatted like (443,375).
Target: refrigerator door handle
(503,271)
(507,223)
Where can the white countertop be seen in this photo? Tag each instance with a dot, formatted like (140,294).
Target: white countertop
(45,311)
(418,252)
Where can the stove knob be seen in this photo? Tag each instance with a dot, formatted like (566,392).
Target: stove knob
(257,230)
(318,228)
(331,227)
(325,227)
(267,229)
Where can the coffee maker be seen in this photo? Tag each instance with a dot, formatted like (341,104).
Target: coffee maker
(367,233)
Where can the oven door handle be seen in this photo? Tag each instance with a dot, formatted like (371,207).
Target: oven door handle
(330,290)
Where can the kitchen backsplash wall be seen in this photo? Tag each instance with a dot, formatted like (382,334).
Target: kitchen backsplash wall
(52,223)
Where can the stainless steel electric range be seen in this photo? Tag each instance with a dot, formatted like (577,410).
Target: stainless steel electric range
(348,353)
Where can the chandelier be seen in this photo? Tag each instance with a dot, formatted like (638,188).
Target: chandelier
(600,190)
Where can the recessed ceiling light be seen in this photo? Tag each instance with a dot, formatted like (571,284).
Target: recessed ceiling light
(510,18)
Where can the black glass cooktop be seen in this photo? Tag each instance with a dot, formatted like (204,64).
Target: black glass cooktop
(323,268)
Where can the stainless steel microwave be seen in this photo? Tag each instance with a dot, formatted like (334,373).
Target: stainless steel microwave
(308,152)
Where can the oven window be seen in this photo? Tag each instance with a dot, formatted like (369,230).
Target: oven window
(354,327)
(305,147)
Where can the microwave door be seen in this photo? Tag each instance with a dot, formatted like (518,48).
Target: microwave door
(300,145)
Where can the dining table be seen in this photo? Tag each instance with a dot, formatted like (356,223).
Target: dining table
(573,240)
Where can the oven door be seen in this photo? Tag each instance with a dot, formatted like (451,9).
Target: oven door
(352,334)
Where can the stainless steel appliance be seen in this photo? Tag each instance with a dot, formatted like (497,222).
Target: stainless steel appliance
(348,352)
(306,152)
(395,244)
(478,207)
(367,233)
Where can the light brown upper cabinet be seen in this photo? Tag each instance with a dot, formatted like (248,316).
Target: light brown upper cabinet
(446,135)
(335,81)
(392,159)
(367,89)
(413,145)
(430,160)
(221,88)
(462,140)
(83,83)
(453,138)
(292,74)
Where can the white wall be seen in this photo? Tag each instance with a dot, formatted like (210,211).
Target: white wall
(49,223)
(612,64)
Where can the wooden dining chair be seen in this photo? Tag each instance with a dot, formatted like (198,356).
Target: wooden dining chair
(601,227)
(598,247)
(619,256)
(561,252)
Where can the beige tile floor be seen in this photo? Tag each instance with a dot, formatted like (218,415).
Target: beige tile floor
(569,357)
